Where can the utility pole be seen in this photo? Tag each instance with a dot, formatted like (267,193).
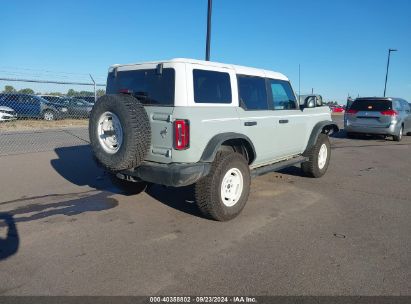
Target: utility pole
(299,82)
(210,6)
(95,91)
(388,65)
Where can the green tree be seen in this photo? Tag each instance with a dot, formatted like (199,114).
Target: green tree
(26,91)
(71,92)
(86,93)
(9,89)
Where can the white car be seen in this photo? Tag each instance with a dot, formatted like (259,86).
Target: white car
(7,114)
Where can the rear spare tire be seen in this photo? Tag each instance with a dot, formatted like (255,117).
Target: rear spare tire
(119,130)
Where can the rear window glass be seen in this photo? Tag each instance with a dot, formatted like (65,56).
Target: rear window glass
(211,87)
(147,85)
(371,105)
(253,93)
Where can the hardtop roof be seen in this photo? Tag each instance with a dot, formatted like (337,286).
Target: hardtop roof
(237,68)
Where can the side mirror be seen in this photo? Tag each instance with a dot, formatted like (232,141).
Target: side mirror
(310,102)
(319,101)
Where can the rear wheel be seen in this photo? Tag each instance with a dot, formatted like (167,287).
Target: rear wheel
(49,115)
(398,137)
(223,193)
(318,157)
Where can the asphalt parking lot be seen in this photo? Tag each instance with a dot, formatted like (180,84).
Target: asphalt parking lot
(65,230)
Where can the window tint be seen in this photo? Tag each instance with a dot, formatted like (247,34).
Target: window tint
(371,105)
(404,105)
(147,85)
(282,94)
(211,87)
(253,93)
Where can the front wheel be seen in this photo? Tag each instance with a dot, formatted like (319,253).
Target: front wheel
(223,193)
(318,157)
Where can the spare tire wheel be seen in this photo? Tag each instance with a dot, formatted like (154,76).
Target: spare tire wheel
(119,130)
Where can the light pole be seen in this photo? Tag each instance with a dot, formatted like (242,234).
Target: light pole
(388,65)
(210,5)
(95,91)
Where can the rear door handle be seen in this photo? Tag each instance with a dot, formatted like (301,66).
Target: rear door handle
(283,121)
(250,123)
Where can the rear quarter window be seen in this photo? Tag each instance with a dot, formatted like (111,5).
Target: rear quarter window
(211,87)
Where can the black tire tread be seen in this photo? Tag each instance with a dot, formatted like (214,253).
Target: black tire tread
(398,138)
(310,167)
(206,195)
(136,131)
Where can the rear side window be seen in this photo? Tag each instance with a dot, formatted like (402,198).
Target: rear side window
(371,105)
(253,93)
(147,85)
(282,95)
(211,87)
(404,105)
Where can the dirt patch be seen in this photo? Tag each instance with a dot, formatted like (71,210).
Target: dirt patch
(20,125)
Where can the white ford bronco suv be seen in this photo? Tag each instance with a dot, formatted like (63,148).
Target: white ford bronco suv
(182,121)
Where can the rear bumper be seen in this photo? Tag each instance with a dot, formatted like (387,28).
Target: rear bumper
(174,174)
(393,129)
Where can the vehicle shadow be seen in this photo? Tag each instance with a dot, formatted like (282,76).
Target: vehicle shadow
(38,211)
(181,198)
(77,166)
(342,134)
(9,245)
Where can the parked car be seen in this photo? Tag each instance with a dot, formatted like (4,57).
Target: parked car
(378,115)
(76,108)
(183,121)
(7,114)
(338,109)
(89,99)
(32,106)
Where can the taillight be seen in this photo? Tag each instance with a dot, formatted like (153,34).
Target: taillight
(389,113)
(181,134)
(351,112)
(124,91)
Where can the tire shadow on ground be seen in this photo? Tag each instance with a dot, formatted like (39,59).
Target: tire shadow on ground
(77,166)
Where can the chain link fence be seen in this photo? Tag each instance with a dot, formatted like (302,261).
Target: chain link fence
(41,115)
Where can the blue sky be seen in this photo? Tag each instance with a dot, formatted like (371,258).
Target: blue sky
(340,44)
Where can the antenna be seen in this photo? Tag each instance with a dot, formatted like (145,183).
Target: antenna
(209,8)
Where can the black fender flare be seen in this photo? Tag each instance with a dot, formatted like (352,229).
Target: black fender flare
(215,142)
(326,127)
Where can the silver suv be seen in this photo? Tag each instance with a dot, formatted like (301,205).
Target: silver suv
(182,121)
(378,115)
